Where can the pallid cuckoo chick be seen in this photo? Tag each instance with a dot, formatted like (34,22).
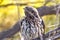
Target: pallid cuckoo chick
(32,25)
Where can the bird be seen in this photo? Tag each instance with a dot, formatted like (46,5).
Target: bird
(32,26)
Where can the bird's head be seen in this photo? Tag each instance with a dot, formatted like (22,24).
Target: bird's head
(31,12)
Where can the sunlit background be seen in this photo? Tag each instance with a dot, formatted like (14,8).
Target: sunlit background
(9,14)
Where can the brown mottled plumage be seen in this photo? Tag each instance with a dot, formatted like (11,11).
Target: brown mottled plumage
(32,25)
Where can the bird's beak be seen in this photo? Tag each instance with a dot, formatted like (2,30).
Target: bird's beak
(25,9)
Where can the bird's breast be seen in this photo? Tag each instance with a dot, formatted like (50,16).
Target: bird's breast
(29,29)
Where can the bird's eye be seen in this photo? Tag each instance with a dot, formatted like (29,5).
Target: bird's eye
(32,11)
